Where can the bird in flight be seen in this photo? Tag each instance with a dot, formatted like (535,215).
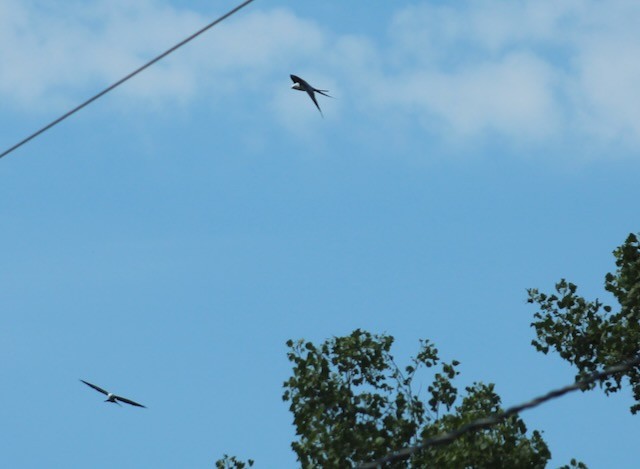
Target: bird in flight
(112,397)
(301,85)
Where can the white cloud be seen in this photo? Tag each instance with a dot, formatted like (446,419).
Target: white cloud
(607,96)
(536,68)
(513,94)
(531,70)
(56,55)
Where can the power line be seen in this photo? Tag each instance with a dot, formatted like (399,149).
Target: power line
(122,80)
(491,420)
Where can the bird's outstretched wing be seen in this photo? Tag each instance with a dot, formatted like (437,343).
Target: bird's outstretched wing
(97,388)
(129,401)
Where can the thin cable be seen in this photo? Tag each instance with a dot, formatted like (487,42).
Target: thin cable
(489,421)
(122,80)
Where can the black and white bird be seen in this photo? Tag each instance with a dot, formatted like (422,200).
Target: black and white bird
(112,397)
(301,85)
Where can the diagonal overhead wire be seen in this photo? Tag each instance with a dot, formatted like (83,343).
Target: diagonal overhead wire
(491,420)
(128,77)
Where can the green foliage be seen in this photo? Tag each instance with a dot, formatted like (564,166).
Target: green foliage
(231,462)
(352,404)
(503,445)
(574,465)
(588,334)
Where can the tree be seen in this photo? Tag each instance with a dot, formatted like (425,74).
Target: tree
(588,334)
(231,462)
(352,404)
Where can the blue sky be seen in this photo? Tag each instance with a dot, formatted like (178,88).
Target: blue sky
(166,241)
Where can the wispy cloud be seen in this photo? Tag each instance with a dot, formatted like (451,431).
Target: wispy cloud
(534,70)
(60,53)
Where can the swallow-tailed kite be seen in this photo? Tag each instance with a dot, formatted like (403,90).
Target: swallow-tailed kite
(301,85)
(112,397)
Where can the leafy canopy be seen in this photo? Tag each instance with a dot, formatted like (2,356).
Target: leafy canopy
(353,404)
(588,334)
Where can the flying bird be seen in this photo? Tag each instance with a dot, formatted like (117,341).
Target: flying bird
(301,85)
(112,397)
